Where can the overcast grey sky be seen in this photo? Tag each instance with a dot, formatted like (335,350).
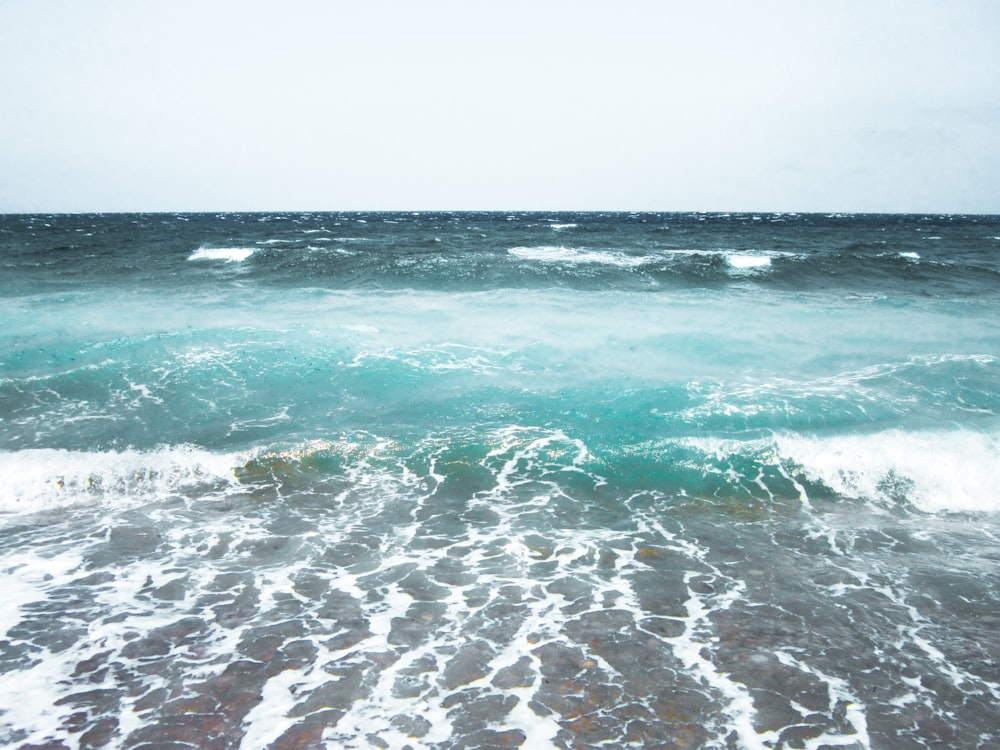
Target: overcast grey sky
(818,105)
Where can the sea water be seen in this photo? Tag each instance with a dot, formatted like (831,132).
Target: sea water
(472,480)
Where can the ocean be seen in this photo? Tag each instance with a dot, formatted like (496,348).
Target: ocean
(484,480)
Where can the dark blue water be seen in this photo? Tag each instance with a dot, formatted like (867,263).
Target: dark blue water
(491,480)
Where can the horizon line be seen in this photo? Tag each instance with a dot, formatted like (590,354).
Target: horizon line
(417,211)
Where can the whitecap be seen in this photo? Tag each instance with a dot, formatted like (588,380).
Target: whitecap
(944,471)
(564,226)
(570,255)
(227,254)
(910,255)
(748,262)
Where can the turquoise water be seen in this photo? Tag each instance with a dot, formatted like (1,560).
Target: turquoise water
(474,480)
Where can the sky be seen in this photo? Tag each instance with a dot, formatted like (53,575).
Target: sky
(710,105)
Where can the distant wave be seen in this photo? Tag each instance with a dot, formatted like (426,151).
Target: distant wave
(738,259)
(227,254)
(561,254)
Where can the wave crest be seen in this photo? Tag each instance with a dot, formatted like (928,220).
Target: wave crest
(45,478)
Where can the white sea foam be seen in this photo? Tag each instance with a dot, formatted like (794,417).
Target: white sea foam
(838,694)
(910,256)
(26,695)
(575,256)
(44,478)
(269,719)
(25,573)
(227,254)
(563,226)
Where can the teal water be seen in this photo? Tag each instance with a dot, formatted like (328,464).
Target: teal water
(475,480)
